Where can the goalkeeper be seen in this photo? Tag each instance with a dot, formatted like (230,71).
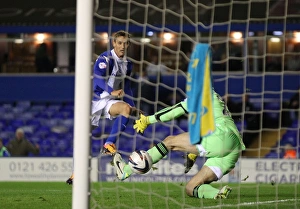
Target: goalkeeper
(221,148)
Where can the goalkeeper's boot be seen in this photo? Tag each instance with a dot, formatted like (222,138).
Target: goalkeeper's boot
(223,193)
(119,165)
(70,180)
(141,124)
(190,160)
(109,149)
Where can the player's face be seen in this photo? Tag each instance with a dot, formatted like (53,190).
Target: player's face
(120,46)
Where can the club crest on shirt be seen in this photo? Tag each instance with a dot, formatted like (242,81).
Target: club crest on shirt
(102,65)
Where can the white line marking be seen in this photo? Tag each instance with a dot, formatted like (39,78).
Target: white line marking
(253,203)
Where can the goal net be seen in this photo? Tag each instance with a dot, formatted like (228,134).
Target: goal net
(255,66)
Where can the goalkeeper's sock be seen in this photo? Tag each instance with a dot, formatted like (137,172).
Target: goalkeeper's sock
(158,152)
(114,133)
(205,191)
(127,170)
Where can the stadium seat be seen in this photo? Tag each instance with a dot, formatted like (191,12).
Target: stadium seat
(25,116)
(18,110)
(54,107)
(25,104)
(8,116)
(45,147)
(34,122)
(62,145)
(17,123)
(42,131)
(7,135)
(273,155)
(290,137)
(34,139)
(271,114)
(96,147)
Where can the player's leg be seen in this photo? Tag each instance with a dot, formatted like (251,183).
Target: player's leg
(123,111)
(157,152)
(222,149)
(180,142)
(199,186)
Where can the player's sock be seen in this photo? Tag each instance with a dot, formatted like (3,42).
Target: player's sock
(128,170)
(158,152)
(119,125)
(205,191)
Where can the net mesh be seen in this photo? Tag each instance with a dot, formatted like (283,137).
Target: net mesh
(255,48)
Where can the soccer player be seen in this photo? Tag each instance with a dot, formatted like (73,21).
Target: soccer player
(221,148)
(110,85)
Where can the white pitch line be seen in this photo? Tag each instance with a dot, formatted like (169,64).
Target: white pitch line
(253,203)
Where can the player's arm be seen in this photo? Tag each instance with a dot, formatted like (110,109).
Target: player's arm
(100,75)
(164,115)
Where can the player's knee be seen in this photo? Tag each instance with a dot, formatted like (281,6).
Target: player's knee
(126,109)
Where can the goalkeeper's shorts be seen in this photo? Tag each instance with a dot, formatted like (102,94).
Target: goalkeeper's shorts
(222,148)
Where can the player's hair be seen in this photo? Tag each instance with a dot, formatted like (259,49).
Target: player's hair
(122,33)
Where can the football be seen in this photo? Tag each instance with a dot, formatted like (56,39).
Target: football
(140,162)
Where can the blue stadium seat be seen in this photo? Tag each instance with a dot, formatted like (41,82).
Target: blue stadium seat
(296,124)
(34,122)
(7,135)
(96,146)
(37,107)
(62,145)
(7,116)
(50,122)
(26,116)
(274,108)
(17,123)
(42,131)
(35,139)
(10,128)
(18,110)
(25,104)
(58,115)
(54,107)
(69,152)
(45,146)
(273,155)
(290,137)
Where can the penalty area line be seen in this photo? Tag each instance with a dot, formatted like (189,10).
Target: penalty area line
(254,203)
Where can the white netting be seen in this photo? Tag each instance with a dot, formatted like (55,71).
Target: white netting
(255,48)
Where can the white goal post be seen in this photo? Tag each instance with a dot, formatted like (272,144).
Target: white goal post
(84,31)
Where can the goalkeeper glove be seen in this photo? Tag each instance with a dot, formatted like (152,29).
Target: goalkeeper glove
(141,124)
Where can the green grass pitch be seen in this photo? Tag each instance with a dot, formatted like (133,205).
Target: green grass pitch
(58,195)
